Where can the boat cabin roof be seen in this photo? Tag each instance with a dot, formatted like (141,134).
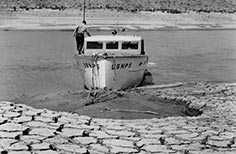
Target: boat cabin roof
(109,38)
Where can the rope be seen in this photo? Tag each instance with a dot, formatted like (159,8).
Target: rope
(94,60)
(134,111)
(98,96)
(114,63)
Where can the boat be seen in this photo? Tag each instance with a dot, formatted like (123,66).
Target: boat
(112,61)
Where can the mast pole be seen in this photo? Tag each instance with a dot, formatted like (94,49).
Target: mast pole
(84,11)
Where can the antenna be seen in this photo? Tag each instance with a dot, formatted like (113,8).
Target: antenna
(117,27)
(118,24)
(84,11)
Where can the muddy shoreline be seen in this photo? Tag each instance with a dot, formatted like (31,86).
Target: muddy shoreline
(157,101)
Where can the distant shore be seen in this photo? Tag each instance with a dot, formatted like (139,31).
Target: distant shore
(46,19)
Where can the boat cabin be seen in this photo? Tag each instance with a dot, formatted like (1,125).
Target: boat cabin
(114,43)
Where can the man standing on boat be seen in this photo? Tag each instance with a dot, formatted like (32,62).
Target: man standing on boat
(79,36)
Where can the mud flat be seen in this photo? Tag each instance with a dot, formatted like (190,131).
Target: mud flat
(24,129)
(115,104)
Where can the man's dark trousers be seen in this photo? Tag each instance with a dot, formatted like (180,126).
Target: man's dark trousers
(79,42)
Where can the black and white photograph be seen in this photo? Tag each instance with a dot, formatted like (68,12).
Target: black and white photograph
(117,76)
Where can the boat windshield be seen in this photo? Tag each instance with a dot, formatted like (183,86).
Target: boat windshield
(94,45)
(129,45)
(124,46)
(112,45)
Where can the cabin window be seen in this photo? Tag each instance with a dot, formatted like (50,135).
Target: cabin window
(94,45)
(129,45)
(112,45)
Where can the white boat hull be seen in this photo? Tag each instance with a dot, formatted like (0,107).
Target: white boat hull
(111,72)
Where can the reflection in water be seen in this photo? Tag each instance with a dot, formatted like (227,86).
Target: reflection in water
(42,61)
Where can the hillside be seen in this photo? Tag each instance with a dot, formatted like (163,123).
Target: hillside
(171,6)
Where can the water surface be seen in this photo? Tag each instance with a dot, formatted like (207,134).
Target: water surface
(36,62)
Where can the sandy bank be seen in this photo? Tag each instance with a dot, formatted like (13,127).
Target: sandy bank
(25,129)
(106,20)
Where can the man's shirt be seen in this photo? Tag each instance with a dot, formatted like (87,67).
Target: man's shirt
(81,29)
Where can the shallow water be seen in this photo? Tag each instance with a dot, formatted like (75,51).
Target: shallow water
(36,62)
